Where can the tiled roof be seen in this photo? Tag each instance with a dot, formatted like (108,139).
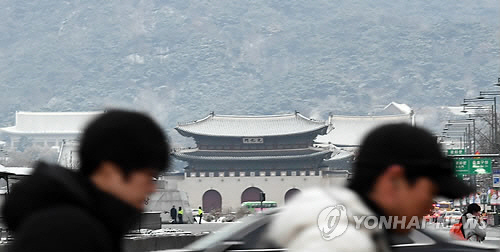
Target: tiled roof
(196,154)
(350,130)
(251,126)
(50,122)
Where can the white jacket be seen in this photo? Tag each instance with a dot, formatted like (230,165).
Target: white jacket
(474,230)
(296,227)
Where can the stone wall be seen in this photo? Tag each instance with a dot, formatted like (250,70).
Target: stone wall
(231,188)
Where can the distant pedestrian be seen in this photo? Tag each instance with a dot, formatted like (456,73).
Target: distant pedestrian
(173,214)
(180,213)
(58,209)
(474,228)
(200,213)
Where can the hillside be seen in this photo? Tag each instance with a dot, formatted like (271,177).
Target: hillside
(182,59)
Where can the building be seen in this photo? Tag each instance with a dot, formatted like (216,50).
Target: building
(237,157)
(346,133)
(349,131)
(45,129)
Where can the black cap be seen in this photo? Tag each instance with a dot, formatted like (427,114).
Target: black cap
(416,150)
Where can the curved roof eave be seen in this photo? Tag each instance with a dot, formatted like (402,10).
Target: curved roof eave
(187,133)
(187,157)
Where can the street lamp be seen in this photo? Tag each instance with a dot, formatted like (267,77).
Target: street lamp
(489,93)
(457,134)
(465,124)
(481,98)
(452,137)
(467,121)
(493,93)
(466,128)
(467,107)
(493,124)
(477,131)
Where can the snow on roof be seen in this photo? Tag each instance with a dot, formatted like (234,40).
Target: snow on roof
(339,154)
(50,122)
(397,108)
(350,130)
(251,126)
(19,171)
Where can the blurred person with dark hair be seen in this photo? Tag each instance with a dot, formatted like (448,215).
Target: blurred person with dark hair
(397,173)
(473,228)
(57,209)
(173,214)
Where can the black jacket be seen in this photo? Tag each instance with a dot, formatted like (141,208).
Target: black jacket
(56,209)
(173,213)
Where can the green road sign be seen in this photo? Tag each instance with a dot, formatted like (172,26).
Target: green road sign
(472,166)
(452,152)
(461,166)
(481,165)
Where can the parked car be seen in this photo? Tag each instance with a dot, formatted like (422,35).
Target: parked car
(249,235)
(452,217)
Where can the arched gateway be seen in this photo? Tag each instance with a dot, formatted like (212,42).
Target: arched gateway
(291,193)
(251,194)
(212,200)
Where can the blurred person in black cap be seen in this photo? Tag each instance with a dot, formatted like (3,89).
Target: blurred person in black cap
(397,173)
(57,209)
(173,214)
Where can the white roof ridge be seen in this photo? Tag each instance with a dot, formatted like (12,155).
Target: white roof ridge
(196,121)
(255,116)
(252,116)
(368,116)
(400,106)
(58,112)
(309,119)
(27,122)
(212,115)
